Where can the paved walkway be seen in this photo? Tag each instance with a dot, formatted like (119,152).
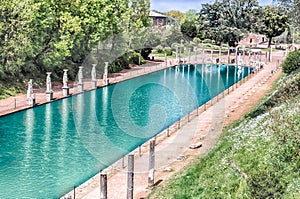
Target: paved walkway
(19,102)
(174,150)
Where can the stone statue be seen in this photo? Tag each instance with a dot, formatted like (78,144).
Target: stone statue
(93,73)
(29,90)
(80,75)
(48,82)
(65,79)
(105,79)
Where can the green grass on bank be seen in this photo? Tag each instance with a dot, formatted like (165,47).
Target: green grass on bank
(264,146)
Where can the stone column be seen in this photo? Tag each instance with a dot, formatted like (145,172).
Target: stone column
(49,91)
(80,78)
(93,74)
(65,87)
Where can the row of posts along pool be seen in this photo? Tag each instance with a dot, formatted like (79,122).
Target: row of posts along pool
(49,149)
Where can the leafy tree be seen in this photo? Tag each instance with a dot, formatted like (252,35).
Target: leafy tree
(190,25)
(293,10)
(175,14)
(189,28)
(15,32)
(228,21)
(190,15)
(46,35)
(274,22)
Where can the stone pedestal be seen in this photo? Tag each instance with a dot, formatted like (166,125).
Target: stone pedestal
(80,87)
(49,96)
(33,102)
(66,91)
(94,84)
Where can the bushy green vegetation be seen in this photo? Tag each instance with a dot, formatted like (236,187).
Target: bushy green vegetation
(292,62)
(265,148)
(44,35)
(10,91)
(136,58)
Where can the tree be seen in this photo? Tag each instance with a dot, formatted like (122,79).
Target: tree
(293,10)
(229,20)
(189,29)
(175,14)
(190,25)
(190,15)
(46,35)
(274,22)
(15,32)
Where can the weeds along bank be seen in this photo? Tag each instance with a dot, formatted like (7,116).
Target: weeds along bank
(258,157)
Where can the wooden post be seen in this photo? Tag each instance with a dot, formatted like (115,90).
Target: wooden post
(123,164)
(188,117)
(15,101)
(130,176)
(179,124)
(151,163)
(74,193)
(140,151)
(168,132)
(103,186)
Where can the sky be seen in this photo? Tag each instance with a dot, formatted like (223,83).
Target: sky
(184,5)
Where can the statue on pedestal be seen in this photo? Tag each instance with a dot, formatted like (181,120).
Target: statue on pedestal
(105,79)
(48,83)
(93,73)
(80,77)
(29,93)
(49,91)
(65,83)
(65,79)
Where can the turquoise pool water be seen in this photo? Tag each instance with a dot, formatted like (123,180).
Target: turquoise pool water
(49,149)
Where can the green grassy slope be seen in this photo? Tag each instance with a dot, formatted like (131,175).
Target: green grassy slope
(264,147)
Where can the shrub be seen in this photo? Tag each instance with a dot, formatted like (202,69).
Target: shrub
(267,182)
(145,52)
(168,51)
(291,62)
(159,49)
(136,58)
(119,64)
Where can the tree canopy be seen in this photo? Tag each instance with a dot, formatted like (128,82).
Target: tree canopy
(46,35)
(229,20)
(274,22)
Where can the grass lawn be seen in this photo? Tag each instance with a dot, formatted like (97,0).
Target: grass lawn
(263,146)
